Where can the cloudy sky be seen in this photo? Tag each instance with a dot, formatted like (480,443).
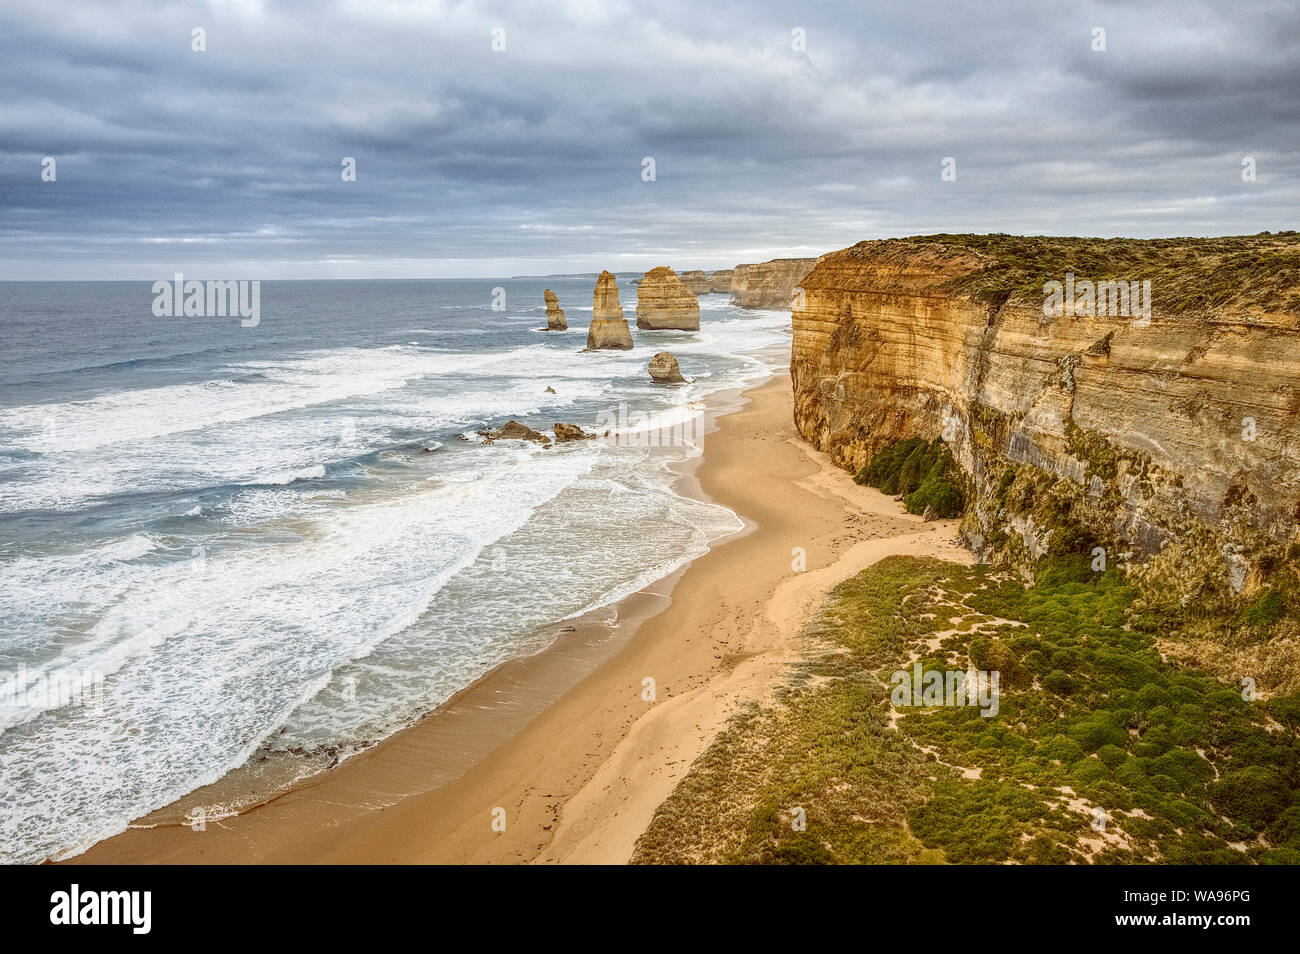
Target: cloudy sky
(766,141)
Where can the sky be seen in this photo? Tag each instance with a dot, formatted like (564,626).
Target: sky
(502,138)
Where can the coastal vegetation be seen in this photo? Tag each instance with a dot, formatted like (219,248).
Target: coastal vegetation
(922,473)
(1100,751)
(1187,274)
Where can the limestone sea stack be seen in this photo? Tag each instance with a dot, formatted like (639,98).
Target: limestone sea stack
(665,370)
(696,281)
(608,326)
(720,282)
(554,313)
(663,302)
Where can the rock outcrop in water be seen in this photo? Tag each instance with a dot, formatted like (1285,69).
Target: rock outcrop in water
(664,302)
(608,326)
(665,370)
(1175,433)
(769,284)
(554,313)
(514,431)
(570,432)
(696,280)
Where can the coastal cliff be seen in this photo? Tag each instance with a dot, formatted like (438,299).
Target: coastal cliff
(720,282)
(665,302)
(769,284)
(1170,438)
(696,280)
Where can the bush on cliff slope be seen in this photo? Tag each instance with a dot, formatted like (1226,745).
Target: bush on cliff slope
(924,473)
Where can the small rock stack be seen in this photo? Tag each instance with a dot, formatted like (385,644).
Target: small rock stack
(554,313)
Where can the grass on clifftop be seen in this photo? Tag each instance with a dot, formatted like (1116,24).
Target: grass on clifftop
(1099,751)
(1187,275)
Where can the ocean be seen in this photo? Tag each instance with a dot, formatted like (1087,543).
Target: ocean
(264,548)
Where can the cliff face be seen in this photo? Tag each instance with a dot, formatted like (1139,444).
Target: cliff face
(720,282)
(608,326)
(739,282)
(1182,428)
(664,302)
(696,281)
(770,284)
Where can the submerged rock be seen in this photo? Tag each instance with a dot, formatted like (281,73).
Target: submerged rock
(664,302)
(608,326)
(554,313)
(665,370)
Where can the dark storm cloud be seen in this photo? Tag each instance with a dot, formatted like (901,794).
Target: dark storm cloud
(476,162)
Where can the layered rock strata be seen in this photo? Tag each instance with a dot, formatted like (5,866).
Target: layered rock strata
(665,370)
(554,313)
(608,326)
(1144,430)
(664,302)
(720,282)
(769,284)
(696,280)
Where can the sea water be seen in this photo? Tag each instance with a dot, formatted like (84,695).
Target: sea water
(291,539)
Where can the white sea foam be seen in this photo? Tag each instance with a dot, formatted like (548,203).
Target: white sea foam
(289,476)
(403,576)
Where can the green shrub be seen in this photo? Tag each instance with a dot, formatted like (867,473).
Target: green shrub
(1096,730)
(1063,750)
(1058,682)
(884,468)
(924,473)
(1285,709)
(1281,856)
(1285,830)
(1089,771)
(1131,774)
(1252,797)
(799,850)
(1112,755)
(1267,609)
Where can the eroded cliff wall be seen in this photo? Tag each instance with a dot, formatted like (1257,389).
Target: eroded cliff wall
(768,284)
(1146,433)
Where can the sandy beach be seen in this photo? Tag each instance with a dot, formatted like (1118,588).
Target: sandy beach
(562,744)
